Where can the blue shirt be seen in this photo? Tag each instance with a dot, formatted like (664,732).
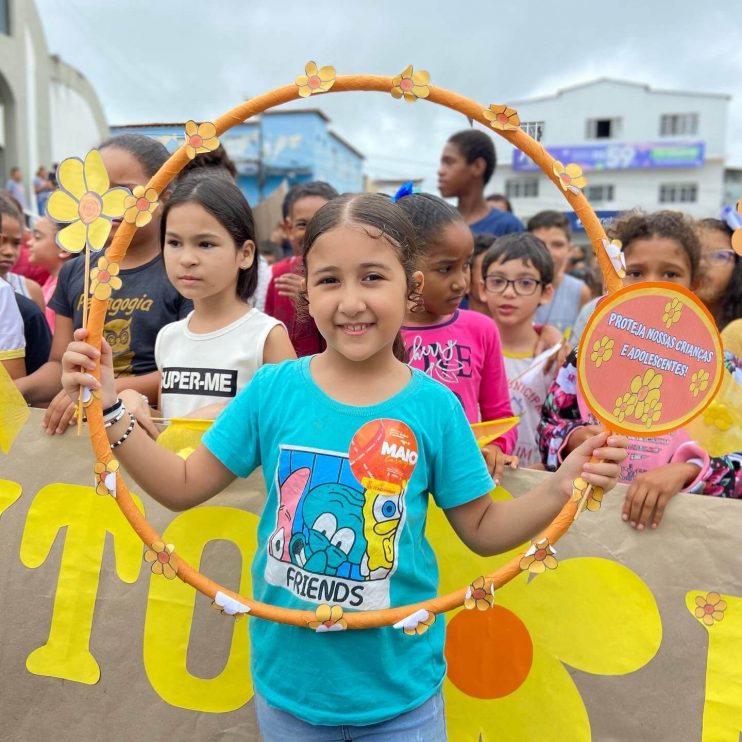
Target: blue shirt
(498,223)
(325,537)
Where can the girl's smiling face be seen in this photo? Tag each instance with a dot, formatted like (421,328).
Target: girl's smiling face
(657,259)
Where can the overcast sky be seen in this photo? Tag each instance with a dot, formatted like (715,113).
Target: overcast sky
(171,60)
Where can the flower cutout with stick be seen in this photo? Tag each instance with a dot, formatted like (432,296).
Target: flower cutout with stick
(199,138)
(140,206)
(411,85)
(85,202)
(328,618)
(570,177)
(710,608)
(104,279)
(162,558)
(105,477)
(479,595)
(502,117)
(602,351)
(540,556)
(315,80)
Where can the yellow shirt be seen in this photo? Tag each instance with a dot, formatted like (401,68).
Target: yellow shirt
(731,337)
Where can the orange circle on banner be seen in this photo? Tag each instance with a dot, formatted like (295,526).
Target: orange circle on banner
(650,359)
(384,450)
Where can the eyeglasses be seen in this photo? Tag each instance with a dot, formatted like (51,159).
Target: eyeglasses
(719,256)
(521,286)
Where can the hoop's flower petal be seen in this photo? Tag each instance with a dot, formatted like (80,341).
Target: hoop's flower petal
(72,237)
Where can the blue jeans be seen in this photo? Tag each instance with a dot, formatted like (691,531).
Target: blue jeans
(426,723)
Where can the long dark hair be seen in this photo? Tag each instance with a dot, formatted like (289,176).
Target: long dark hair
(382,220)
(731,307)
(148,152)
(226,203)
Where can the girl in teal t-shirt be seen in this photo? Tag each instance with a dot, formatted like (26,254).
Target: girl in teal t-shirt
(351,442)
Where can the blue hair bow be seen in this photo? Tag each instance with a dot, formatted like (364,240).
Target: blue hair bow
(406,189)
(732,217)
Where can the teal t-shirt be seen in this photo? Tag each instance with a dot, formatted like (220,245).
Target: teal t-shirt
(344,524)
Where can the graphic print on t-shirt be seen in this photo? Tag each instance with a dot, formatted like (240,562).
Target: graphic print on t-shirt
(340,516)
(117,333)
(216,382)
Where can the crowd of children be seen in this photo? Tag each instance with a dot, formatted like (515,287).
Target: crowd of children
(402,308)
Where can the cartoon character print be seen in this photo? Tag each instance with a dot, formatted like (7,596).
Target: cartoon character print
(117,333)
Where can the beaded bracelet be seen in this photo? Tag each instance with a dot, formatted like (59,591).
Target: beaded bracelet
(127,433)
(111,412)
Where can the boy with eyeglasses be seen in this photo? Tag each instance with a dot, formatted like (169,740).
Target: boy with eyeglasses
(517,276)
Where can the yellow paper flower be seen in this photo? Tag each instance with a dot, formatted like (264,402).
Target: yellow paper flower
(521,654)
(579,487)
(328,618)
(710,608)
(199,138)
(602,351)
(315,80)
(85,202)
(541,555)
(594,499)
(570,177)
(646,388)
(417,623)
(161,556)
(717,415)
(105,477)
(411,85)
(673,309)
(479,595)
(614,250)
(652,411)
(624,406)
(501,117)
(104,279)
(140,206)
(699,382)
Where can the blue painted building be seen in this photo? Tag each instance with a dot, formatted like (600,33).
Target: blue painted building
(292,145)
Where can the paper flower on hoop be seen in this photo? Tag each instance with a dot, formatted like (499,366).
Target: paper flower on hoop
(479,596)
(570,177)
(89,395)
(411,85)
(85,201)
(140,205)
(417,623)
(160,555)
(540,556)
(199,138)
(105,477)
(502,117)
(315,80)
(616,256)
(328,618)
(104,279)
(228,606)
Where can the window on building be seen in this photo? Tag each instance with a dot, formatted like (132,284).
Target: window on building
(599,193)
(603,128)
(678,193)
(522,188)
(534,129)
(4,17)
(678,124)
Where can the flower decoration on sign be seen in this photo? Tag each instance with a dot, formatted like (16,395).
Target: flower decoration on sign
(570,177)
(613,249)
(647,390)
(699,382)
(315,80)
(162,558)
(328,618)
(140,206)
(540,556)
(651,411)
(710,608)
(411,85)
(602,351)
(673,310)
(417,623)
(228,606)
(199,138)
(717,415)
(105,477)
(502,117)
(104,279)
(479,595)
(624,406)
(85,202)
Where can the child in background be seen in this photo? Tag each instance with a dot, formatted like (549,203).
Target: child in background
(137,311)
(552,227)
(299,420)
(467,163)
(517,275)
(44,252)
(476,299)
(301,203)
(662,246)
(459,348)
(207,235)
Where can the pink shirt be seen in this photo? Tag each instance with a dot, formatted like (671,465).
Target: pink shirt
(48,291)
(464,354)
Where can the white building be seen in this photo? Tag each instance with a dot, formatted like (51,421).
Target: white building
(638,147)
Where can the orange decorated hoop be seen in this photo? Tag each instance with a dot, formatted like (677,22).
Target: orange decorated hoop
(411,86)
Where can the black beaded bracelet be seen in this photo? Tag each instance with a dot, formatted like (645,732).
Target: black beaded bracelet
(113,418)
(132,424)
